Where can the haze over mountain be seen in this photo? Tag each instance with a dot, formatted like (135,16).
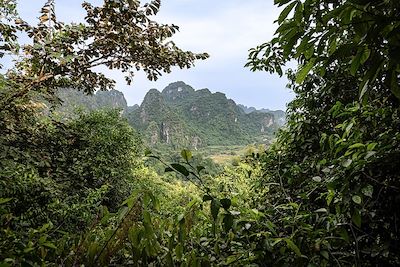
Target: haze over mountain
(279,115)
(73,99)
(180,116)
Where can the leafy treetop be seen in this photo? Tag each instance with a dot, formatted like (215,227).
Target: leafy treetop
(119,35)
(358,36)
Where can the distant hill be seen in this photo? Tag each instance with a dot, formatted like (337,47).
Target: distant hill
(279,115)
(181,116)
(246,109)
(73,99)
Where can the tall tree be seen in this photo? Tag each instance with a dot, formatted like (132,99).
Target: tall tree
(359,36)
(118,35)
(337,159)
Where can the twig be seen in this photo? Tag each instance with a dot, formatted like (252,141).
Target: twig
(356,242)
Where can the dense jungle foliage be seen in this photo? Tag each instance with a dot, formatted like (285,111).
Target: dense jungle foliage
(325,193)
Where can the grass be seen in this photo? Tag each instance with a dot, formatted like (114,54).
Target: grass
(223,154)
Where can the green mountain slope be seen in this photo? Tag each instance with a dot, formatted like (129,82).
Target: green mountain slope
(182,116)
(162,123)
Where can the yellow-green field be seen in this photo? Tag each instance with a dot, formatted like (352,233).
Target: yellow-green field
(227,154)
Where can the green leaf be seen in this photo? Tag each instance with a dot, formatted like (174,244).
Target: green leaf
(356,218)
(207,198)
(4,200)
(343,233)
(363,91)
(286,12)
(179,251)
(293,246)
(356,199)
(330,196)
(129,201)
(271,227)
(49,245)
(369,154)
(200,168)
(298,14)
(168,169)
(186,154)
(365,55)
(231,259)
(281,2)
(371,146)
(309,52)
(226,203)
(26,250)
(317,179)
(181,217)
(357,145)
(228,221)
(180,168)
(302,74)
(348,128)
(367,190)
(347,163)
(332,46)
(322,210)
(215,206)
(146,217)
(355,63)
(325,254)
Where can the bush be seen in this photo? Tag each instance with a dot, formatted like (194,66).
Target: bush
(58,175)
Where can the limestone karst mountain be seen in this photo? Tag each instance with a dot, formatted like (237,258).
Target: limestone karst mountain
(180,116)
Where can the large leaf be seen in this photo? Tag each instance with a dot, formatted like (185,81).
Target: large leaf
(302,74)
(356,218)
(186,154)
(293,246)
(356,199)
(180,168)
(286,12)
(215,206)
(226,203)
(228,221)
(4,200)
(207,198)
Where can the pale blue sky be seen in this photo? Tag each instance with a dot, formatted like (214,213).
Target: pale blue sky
(226,29)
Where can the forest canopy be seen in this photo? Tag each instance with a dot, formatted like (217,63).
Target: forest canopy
(119,35)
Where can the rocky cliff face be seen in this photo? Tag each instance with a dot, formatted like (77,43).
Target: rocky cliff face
(73,99)
(160,122)
(279,115)
(111,99)
(182,116)
(177,92)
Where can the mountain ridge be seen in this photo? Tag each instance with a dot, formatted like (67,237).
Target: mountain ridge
(181,116)
(193,118)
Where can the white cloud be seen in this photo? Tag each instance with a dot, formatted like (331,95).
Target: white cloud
(225,29)
(228,33)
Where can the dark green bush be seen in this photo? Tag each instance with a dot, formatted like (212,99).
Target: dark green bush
(60,174)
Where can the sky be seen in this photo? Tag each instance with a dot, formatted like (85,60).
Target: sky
(226,29)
